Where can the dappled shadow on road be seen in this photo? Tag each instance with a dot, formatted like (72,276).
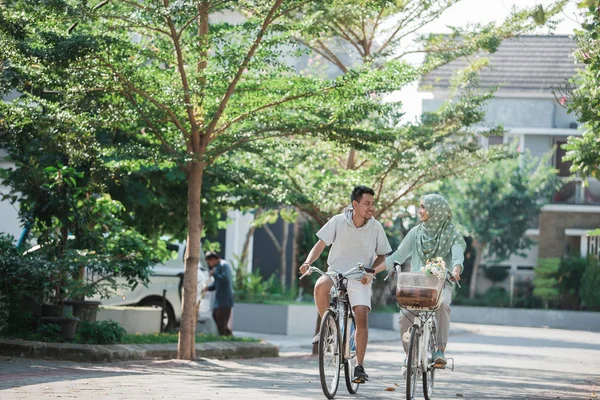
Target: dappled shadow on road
(15,372)
(487,367)
(573,343)
(497,375)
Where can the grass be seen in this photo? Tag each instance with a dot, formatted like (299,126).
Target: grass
(386,308)
(162,338)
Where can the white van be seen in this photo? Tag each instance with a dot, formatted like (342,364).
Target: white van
(166,278)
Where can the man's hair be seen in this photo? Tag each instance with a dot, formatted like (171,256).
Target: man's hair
(358,191)
(211,254)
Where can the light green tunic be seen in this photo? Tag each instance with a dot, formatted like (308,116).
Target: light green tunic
(407,249)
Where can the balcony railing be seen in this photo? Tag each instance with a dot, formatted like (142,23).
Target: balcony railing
(574,191)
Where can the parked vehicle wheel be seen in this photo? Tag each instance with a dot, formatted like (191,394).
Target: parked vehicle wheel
(168,321)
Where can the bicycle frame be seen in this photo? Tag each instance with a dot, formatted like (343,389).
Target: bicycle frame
(426,345)
(340,311)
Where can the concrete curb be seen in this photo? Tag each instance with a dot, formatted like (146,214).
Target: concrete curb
(120,352)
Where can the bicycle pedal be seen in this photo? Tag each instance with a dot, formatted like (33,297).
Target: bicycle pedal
(449,364)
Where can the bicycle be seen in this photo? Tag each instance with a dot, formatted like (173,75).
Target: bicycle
(421,295)
(337,346)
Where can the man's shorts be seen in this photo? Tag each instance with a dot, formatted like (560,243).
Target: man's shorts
(359,293)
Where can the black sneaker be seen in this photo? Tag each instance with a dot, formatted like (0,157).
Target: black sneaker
(360,376)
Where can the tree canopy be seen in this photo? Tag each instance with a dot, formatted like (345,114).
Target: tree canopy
(498,203)
(584,151)
(183,84)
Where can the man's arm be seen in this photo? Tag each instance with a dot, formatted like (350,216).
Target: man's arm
(313,256)
(378,264)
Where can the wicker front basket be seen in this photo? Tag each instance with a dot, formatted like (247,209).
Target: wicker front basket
(417,290)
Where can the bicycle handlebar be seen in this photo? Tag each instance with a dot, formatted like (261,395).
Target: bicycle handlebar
(360,268)
(449,275)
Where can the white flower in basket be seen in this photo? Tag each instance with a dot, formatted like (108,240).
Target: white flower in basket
(435,267)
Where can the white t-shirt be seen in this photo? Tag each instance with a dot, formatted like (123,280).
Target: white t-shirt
(352,245)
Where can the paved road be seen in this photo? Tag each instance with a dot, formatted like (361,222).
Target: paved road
(492,362)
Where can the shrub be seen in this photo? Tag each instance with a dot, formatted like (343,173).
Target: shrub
(101,332)
(496,274)
(523,296)
(545,282)
(569,281)
(251,287)
(26,281)
(496,297)
(590,282)
(48,333)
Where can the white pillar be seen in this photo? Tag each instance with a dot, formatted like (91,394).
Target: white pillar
(583,247)
(235,236)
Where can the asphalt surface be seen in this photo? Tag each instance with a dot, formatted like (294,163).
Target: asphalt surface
(491,362)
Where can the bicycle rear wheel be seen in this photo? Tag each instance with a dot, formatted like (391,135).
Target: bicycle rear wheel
(412,363)
(329,354)
(429,370)
(350,356)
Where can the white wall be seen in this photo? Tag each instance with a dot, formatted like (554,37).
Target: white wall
(9,216)
(235,237)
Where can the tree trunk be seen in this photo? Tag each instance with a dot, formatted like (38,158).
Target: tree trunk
(244,256)
(296,250)
(186,348)
(283,253)
(479,247)
(249,235)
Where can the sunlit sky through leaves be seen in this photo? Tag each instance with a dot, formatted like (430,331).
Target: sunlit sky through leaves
(478,11)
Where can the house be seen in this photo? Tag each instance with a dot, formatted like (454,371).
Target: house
(529,70)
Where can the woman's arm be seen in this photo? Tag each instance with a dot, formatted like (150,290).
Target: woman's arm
(402,253)
(458,258)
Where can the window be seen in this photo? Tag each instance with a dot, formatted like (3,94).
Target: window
(495,140)
(562,166)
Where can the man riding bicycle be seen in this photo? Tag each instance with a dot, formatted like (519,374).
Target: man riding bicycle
(355,237)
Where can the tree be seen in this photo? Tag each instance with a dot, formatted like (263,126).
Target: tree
(496,204)
(200,84)
(590,299)
(584,99)
(347,34)
(545,282)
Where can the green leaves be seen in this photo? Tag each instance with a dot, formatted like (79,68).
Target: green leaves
(591,5)
(583,98)
(539,16)
(496,204)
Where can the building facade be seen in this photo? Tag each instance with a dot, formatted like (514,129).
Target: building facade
(530,71)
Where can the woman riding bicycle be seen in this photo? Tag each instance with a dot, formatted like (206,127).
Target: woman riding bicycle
(434,237)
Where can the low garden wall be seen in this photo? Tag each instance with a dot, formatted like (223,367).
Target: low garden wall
(557,319)
(132,319)
(301,319)
(280,319)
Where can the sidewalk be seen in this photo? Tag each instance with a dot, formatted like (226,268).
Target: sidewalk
(119,352)
(293,345)
(270,346)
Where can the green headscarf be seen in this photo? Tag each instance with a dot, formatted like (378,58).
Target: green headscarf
(437,235)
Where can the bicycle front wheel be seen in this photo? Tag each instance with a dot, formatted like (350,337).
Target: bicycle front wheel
(412,362)
(429,370)
(350,354)
(329,354)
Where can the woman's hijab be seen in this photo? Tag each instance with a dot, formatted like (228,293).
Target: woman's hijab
(436,236)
